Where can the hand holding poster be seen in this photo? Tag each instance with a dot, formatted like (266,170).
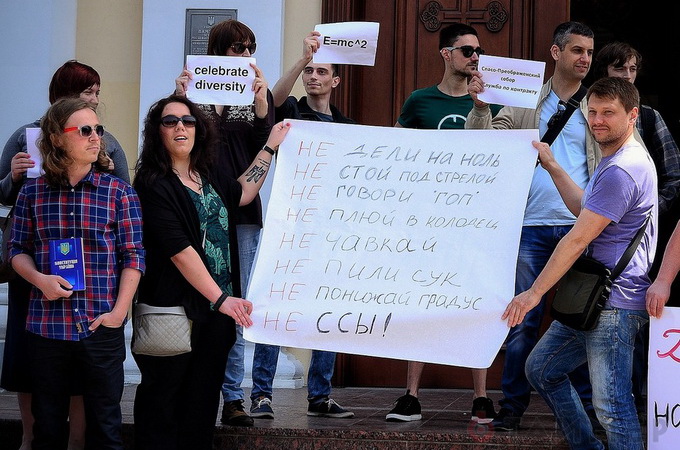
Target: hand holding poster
(347,43)
(392,242)
(221,80)
(510,81)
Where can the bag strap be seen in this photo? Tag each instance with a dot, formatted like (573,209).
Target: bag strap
(630,251)
(648,122)
(573,103)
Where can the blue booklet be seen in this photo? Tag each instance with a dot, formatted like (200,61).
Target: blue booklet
(67,259)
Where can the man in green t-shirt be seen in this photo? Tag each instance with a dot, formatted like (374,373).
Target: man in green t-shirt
(445,106)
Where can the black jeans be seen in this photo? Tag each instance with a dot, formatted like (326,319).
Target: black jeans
(96,362)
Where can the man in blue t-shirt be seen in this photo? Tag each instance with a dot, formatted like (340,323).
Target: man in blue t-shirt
(546,218)
(611,209)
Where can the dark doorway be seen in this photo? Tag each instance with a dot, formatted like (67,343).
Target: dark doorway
(650,27)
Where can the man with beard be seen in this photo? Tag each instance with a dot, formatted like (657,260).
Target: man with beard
(546,218)
(444,106)
(617,202)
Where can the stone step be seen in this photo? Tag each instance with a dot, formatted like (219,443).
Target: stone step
(445,425)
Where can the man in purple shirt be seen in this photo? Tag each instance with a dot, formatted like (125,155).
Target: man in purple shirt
(76,337)
(619,197)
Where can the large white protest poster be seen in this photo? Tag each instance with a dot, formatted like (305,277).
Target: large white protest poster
(392,242)
(663,391)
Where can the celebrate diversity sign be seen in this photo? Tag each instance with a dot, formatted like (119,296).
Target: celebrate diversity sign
(392,242)
(221,80)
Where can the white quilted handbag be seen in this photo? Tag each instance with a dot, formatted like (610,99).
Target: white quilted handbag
(160,331)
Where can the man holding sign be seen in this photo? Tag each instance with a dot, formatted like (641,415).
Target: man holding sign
(319,81)
(546,219)
(444,106)
(620,199)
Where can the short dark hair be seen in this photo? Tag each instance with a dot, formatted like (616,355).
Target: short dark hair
(154,160)
(449,34)
(225,33)
(616,88)
(565,29)
(55,160)
(71,79)
(614,54)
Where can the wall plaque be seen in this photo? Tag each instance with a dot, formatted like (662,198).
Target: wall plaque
(198,25)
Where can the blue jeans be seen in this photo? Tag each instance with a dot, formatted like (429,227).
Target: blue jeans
(608,350)
(536,245)
(264,369)
(248,239)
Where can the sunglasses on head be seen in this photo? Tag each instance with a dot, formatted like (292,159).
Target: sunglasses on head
(86,130)
(467,50)
(240,47)
(171,121)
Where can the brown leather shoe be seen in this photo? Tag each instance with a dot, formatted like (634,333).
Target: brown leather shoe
(233,414)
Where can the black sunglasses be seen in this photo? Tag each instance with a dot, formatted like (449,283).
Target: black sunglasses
(171,121)
(467,50)
(86,130)
(240,47)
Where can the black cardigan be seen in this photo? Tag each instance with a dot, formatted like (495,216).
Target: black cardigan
(171,225)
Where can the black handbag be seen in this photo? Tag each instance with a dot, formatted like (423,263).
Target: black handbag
(7,273)
(583,291)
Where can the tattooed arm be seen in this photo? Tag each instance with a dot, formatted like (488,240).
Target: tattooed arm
(252,179)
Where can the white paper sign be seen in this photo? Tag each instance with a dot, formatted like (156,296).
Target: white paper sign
(511,81)
(392,242)
(347,43)
(221,80)
(663,390)
(32,136)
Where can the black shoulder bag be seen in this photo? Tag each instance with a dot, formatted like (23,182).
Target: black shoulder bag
(555,126)
(583,291)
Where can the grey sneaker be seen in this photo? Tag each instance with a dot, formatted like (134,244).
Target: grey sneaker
(261,408)
(328,408)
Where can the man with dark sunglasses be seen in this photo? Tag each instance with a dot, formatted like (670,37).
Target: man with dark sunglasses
(546,218)
(444,106)
(319,80)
